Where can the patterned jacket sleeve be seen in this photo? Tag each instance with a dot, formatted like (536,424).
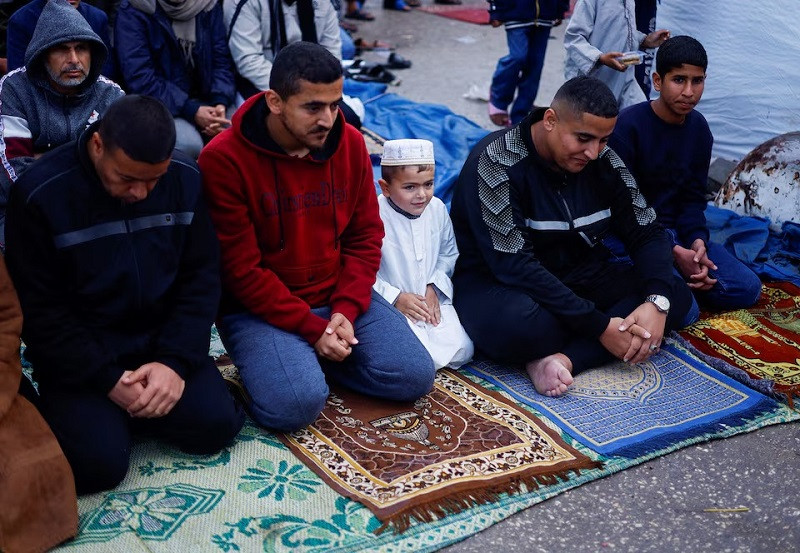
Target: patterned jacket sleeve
(492,211)
(635,223)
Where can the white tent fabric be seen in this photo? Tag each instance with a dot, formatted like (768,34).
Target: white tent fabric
(753,86)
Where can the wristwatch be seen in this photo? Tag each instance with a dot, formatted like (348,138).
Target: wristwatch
(661,302)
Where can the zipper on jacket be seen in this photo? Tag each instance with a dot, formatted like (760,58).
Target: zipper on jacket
(571,219)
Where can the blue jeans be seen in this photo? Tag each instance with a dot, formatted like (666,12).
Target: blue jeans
(737,286)
(287,380)
(520,70)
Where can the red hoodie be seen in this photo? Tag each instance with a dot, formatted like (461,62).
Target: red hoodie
(286,246)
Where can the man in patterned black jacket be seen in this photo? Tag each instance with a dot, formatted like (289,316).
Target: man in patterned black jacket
(530,210)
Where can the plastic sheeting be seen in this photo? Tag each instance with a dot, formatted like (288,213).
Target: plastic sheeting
(753,87)
(771,255)
(392,116)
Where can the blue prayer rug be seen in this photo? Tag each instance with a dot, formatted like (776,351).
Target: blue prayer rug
(635,409)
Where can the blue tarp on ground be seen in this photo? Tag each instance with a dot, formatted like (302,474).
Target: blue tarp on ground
(772,255)
(392,116)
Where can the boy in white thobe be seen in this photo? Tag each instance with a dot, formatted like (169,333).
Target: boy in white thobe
(419,251)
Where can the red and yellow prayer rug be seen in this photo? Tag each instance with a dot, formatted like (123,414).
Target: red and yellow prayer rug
(763,341)
(458,446)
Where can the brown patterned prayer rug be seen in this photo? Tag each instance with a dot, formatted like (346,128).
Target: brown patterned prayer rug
(763,341)
(458,446)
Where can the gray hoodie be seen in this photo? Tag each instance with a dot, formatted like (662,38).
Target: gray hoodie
(34,117)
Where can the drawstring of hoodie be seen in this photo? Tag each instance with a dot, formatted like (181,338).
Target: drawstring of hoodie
(278,196)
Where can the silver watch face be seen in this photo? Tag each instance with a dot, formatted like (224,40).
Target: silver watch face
(661,303)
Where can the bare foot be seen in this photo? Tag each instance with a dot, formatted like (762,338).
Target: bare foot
(551,375)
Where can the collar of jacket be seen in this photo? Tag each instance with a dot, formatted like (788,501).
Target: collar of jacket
(249,124)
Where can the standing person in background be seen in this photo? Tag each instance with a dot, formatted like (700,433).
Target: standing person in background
(177,52)
(528,27)
(598,33)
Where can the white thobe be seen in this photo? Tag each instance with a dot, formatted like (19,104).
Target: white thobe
(599,26)
(415,253)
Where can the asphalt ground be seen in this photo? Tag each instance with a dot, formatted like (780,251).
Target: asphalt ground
(658,506)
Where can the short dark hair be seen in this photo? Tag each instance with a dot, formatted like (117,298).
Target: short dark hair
(680,50)
(585,94)
(140,126)
(302,61)
(388,172)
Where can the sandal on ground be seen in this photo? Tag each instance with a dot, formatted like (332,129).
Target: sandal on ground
(360,15)
(396,61)
(414,3)
(370,73)
(349,27)
(396,5)
(362,44)
(499,116)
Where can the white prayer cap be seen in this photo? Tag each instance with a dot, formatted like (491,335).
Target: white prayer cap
(407,151)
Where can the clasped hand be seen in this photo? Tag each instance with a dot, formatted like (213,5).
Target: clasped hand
(636,337)
(694,264)
(420,308)
(150,391)
(211,119)
(338,340)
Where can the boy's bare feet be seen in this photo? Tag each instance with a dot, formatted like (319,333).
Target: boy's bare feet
(550,375)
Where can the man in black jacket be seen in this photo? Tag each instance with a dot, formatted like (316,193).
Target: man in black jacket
(530,210)
(117,267)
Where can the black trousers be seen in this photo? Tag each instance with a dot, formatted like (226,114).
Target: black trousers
(96,434)
(509,326)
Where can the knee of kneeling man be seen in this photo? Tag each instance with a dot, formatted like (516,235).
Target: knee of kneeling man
(101,474)
(287,416)
(415,385)
(219,431)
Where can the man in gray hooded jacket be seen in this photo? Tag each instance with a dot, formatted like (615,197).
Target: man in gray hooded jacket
(55,96)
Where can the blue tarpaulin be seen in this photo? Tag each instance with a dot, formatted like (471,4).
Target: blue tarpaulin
(392,116)
(771,255)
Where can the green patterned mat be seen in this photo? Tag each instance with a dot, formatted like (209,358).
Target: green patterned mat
(257,496)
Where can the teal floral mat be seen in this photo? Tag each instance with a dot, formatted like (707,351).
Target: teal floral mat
(257,496)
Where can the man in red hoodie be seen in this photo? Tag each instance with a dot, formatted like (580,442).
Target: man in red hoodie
(291,194)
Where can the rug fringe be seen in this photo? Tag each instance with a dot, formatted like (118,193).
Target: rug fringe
(763,385)
(706,431)
(439,508)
